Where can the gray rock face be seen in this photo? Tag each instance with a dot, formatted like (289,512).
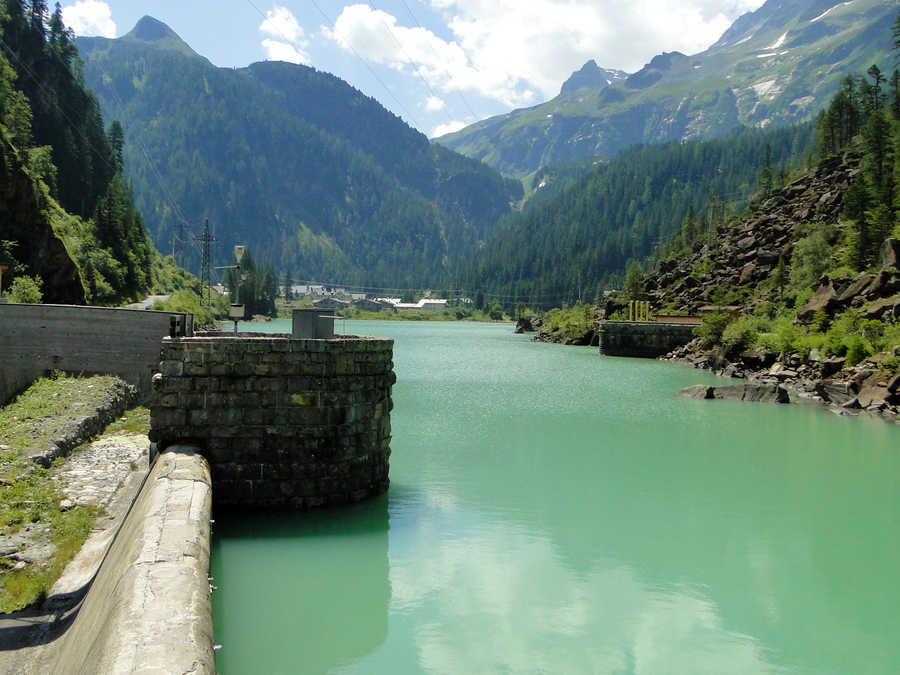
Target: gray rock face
(890,253)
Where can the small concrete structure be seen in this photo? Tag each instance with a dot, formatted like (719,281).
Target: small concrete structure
(311,324)
(284,421)
(35,339)
(642,339)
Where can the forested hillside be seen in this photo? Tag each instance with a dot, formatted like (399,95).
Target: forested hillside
(318,179)
(629,208)
(69,223)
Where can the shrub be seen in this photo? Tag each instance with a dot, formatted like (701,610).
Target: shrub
(713,326)
(26,290)
(740,335)
(810,260)
(857,350)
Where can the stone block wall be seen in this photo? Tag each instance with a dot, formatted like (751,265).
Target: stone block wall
(642,339)
(283,422)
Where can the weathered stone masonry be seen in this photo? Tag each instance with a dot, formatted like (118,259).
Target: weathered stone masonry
(283,422)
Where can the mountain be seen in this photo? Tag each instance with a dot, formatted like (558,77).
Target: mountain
(586,230)
(592,76)
(316,178)
(777,65)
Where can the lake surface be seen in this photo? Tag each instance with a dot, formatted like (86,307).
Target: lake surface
(555,511)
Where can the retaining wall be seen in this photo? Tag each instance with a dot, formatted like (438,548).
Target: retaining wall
(642,339)
(283,422)
(35,339)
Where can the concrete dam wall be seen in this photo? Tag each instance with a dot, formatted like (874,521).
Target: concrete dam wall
(646,339)
(35,339)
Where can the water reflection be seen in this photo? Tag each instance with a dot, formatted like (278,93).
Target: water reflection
(290,576)
(496,597)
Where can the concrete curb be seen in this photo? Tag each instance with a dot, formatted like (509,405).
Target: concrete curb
(149,609)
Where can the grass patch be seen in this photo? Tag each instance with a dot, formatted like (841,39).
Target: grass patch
(32,500)
(41,411)
(135,421)
(29,498)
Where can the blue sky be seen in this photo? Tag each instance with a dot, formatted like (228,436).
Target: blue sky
(438,64)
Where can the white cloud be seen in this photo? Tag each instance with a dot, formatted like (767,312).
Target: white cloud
(282,51)
(434,103)
(290,41)
(447,128)
(281,23)
(89,17)
(518,52)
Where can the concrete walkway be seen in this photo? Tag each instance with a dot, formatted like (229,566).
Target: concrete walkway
(147,607)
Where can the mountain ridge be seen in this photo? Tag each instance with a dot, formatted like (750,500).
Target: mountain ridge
(777,65)
(315,177)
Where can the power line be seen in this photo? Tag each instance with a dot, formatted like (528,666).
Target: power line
(464,99)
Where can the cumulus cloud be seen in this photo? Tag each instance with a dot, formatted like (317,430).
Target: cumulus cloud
(447,128)
(89,17)
(434,103)
(518,52)
(282,51)
(289,43)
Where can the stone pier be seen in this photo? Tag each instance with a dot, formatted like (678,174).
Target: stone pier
(283,422)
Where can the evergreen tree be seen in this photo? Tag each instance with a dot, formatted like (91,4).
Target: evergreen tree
(117,145)
(634,282)
(765,176)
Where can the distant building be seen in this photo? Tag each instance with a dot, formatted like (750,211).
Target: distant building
(331,304)
(370,305)
(428,304)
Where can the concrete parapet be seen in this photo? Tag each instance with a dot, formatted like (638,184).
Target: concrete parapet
(283,422)
(642,339)
(148,609)
(35,339)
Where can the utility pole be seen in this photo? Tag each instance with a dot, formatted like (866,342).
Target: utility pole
(206,239)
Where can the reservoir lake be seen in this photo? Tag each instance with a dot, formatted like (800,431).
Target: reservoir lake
(555,511)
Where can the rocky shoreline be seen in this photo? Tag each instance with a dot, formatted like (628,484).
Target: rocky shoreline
(854,390)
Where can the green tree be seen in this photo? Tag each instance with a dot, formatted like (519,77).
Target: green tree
(634,282)
(780,277)
(117,145)
(766,177)
(810,260)
(26,290)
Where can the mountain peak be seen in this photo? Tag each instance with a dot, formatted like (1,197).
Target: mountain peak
(154,32)
(591,76)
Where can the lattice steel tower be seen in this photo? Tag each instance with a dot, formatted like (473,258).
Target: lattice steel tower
(206,240)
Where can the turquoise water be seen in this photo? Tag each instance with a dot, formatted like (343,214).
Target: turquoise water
(555,511)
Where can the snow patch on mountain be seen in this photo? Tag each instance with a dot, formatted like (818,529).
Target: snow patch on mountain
(779,41)
(828,11)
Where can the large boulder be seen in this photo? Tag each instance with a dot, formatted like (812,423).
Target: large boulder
(890,253)
(755,393)
(825,298)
